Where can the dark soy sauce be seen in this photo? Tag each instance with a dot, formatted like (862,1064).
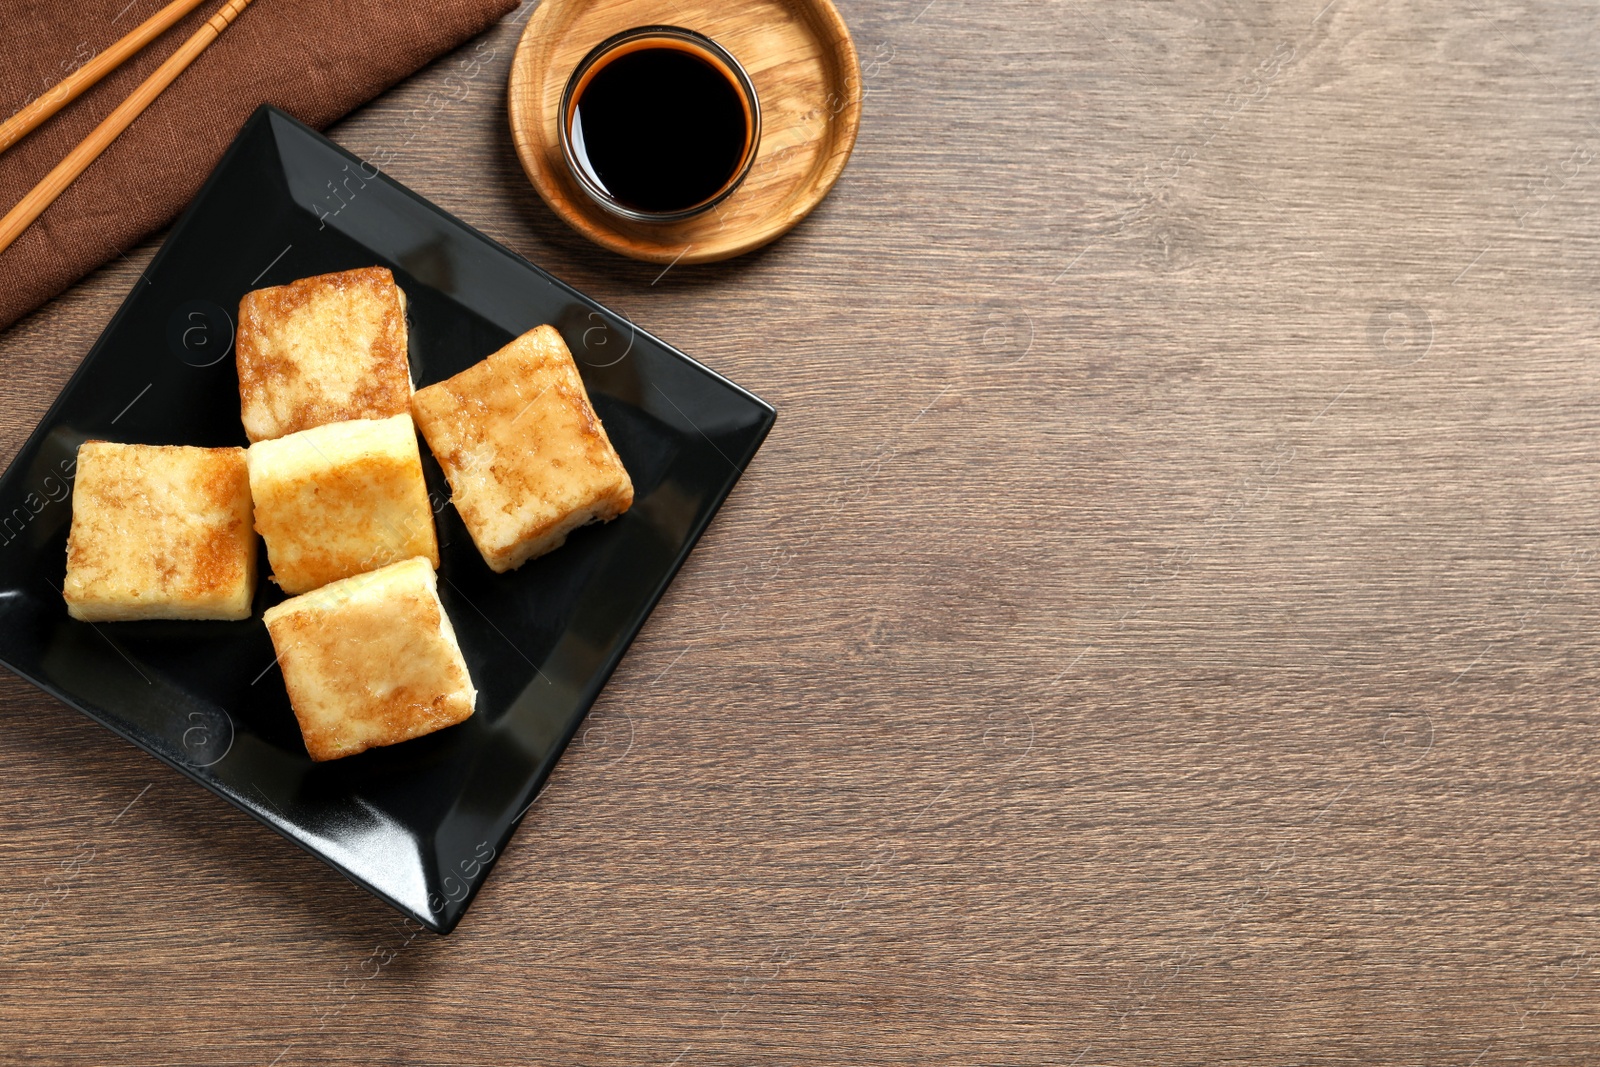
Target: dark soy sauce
(659,128)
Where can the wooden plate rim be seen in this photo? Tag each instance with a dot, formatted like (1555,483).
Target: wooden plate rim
(575,211)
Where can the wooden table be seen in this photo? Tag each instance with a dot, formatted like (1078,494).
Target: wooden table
(1161,628)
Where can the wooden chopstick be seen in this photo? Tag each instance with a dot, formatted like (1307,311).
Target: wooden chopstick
(69,88)
(42,195)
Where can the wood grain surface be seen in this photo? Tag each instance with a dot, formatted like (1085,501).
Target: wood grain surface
(797,53)
(1161,627)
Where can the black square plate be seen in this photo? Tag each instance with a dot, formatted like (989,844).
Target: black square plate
(419,823)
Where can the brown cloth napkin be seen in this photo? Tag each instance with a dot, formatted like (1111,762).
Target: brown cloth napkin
(316,59)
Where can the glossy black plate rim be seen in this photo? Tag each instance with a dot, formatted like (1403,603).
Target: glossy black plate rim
(445,922)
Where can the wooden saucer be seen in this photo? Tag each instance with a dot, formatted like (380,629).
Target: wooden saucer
(803,63)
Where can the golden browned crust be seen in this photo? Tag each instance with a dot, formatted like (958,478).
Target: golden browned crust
(322,350)
(341,499)
(526,457)
(160,532)
(371,660)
